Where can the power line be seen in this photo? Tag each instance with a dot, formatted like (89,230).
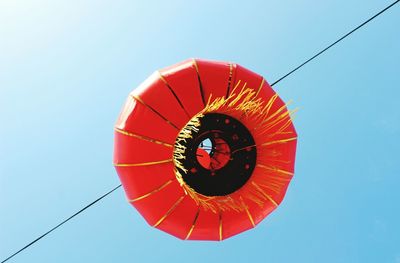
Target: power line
(337,41)
(288,74)
(60,224)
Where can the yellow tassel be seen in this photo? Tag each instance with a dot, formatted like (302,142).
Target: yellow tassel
(266,179)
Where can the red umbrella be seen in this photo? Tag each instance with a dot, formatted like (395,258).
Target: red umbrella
(204,149)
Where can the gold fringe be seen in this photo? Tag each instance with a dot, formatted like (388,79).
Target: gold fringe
(260,87)
(179,149)
(244,103)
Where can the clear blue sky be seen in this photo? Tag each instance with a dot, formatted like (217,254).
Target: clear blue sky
(66,68)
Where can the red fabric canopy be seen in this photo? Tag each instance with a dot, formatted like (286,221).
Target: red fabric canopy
(175,182)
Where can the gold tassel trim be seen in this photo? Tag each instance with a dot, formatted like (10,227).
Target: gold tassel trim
(260,87)
(245,104)
(179,149)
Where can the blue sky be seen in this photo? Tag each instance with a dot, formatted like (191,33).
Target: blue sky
(66,68)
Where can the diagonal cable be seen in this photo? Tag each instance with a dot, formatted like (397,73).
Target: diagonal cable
(60,224)
(334,43)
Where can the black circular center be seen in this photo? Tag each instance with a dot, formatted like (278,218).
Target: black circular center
(220,156)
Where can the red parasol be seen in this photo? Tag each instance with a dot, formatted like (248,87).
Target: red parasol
(204,149)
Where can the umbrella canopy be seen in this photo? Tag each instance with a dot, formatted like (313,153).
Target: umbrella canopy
(204,149)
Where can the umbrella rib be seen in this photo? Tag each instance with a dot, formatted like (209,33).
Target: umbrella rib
(173,93)
(265,194)
(228,90)
(142,164)
(152,192)
(141,137)
(194,223)
(137,98)
(169,211)
(247,211)
(200,84)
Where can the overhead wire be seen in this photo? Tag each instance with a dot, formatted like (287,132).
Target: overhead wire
(334,43)
(60,224)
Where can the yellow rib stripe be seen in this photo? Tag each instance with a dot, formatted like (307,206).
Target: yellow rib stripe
(152,192)
(169,211)
(141,164)
(153,110)
(141,137)
(220,225)
(194,223)
(229,80)
(247,212)
(173,93)
(265,194)
(200,84)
